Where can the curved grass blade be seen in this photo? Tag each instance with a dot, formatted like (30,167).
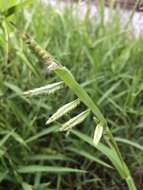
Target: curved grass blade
(128,142)
(89,156)
(19,139)
(4,139)
(42,133)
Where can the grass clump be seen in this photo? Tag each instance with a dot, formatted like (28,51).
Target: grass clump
(109,67)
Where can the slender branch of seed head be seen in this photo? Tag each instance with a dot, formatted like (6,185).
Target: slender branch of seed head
(63,110)
(48,89)
(75,121)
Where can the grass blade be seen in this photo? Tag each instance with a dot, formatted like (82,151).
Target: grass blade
(42,133)
(48,157)
(48,169)
(89,156)
(128,142)
(110,153)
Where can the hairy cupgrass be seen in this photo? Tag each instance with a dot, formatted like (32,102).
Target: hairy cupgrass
(108,63)
(70,81)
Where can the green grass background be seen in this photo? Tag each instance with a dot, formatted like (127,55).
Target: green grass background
(108,61)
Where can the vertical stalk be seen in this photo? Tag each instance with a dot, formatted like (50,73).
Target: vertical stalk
(131,184)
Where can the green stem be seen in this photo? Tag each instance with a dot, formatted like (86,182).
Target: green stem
(131,183)
(127,176)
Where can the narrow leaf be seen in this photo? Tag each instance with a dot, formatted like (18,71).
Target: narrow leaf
(19,139)
(108,92)
(63,110)
(89,156)
(49,89)
(42,133)
(75,121)
(47,169)
(131,143)
(48,157)
(4,139)
(110,153)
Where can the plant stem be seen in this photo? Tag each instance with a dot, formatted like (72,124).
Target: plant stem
(131,184)
(127,176)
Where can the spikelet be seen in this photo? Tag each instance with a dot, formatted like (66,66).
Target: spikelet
(75,121)
(63,110)
(48,89)
(37,49)
(98,133)
(52,65)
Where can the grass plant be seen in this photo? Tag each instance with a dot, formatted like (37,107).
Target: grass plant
(106,60)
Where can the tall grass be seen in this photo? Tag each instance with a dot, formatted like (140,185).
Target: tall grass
(108,64)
